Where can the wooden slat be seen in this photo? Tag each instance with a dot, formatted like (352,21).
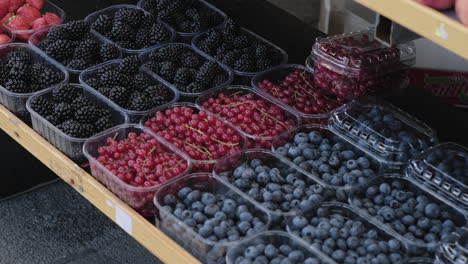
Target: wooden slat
(143,231)
(425,21)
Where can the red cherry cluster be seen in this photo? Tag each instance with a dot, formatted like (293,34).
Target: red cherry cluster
(353,67)
(201,136)
(298,90)
(256,117)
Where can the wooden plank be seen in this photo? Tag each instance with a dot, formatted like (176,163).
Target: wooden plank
(138,227)
(425,21)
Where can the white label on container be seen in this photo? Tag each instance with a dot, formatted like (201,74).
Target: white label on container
(122,218)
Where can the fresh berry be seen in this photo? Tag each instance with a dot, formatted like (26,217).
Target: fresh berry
(15,4)
(29,12)
(38,4)
(39,23)
(4,39)
(52,19)
(4,9)
(20,23)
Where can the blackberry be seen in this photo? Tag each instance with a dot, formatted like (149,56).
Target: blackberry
(139,102)
(19,56)
(130,16)
(248,52)
(42,106)
(194,87)
(207,72)
(158,34)
(152,66)
(158,91)
(88,130)
(76,30)
(219,80)
(56,33)
(18,70)
(72,128)
(151,6)
(94,83)
(111,78)
(263,64)
(78,64)
(183,76)
(16,86)
(224,48)
(60,49)
(214,35)
(109,51)
(87,50)
(244,65)
(102,24)
(45,76)
(231,28)
(141,38)
(167,71)
(119,95)
(129,65)
(122,32)
(167,53)
(148,21)
(261,51)
(65,93)
(80,102)
(53,119)
(3,73)
(190,61)
(86,114)
(104,90)
(103,113)
(140,82)
(127,44)
(241,42)
(231,57)
(63,111)
(103,123)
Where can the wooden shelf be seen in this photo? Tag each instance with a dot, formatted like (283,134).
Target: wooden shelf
(137,226)
(425,21)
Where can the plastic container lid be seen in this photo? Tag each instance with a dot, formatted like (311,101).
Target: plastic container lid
(144,57)
(254,141)
(383,131)
(189,35)
(140,198)
(48,7)
(277,239)
(134,116)
(443,169)
(110,11)
(16,102)
(204,249)
(455,250)
(196,40)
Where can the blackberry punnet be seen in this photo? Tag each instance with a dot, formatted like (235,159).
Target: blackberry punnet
(188,16)
(74,46)
(131,29)
(229,42)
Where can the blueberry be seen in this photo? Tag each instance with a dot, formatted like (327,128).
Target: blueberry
(255,163)
(347,154)
(246,216)
(324,168)
(338,255)
(244,226)
(432,210)
(208,198)
(190,222)
(205,231)
(211,209)
(368,173)
(301,138)
(270,251)
(263,177)
(294,152)
(193,196)
(315,137)
(385,188)
(248,174)
(285,249)
(363,162)
(299,222)
(310,154)
(184,192)
(351,164)
(296,256)
(251,252)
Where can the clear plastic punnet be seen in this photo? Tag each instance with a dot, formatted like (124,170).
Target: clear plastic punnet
(415,216)
(278,240)
(134,116)
(271,183)
(355,64)
(16,102)
(186,37)
(307,102)
(137,197)
(230,111)
(455,249)
(186,234)
(339,232)
(382,130)
(110,11)
(196,40)
(71,146)
(184,96)
(318,152)
(207,159)
(443,170)
(49,7)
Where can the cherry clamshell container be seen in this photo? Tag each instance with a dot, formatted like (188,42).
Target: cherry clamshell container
(202,248)
(187,97)
(23,35)
(225,171)
(110,11)
(284,141)
(348,213)
(382,130)
(443,170)
(139,198)
(355,64)
(390,222)
(16,102)
(186,37)
(71,146)
(134,116)
(197,164)
(40,35)
(455,249)
(277,75)
(253,141)
(277,239)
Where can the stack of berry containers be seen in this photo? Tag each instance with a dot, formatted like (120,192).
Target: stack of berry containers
(16,102)
(229,103)
(455,249)
(411,213)
(188,97)
(294,86)
(243,77)
(71,146)
(49,7)
(321,154)
(344,236)
(196,132)
(110,11)
(138,196)
(276,247)
(383,131)
(206,216)
(355,65)
(186,37)
(134,116)
(272,184)
(443,171)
